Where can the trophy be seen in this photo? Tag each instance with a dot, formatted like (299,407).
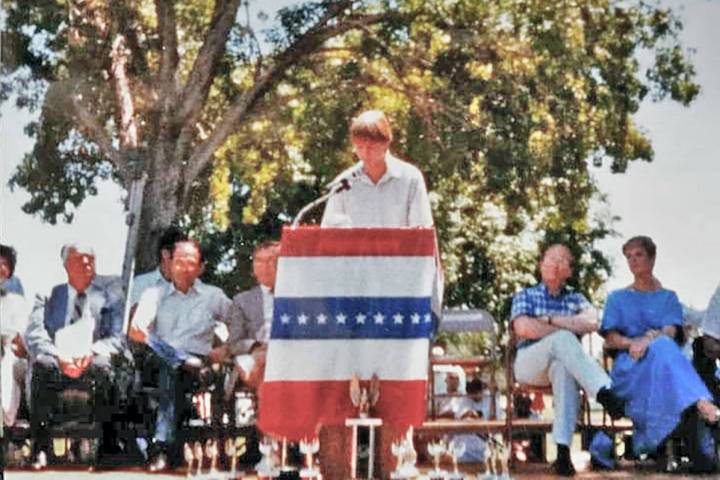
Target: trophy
(266,468)
(436,450)
(504,453)
(405,454)
(189,458)
(490,460)
(309,449)
(362,398)
(198,450)
(212,452)
(456,450)
(231,453)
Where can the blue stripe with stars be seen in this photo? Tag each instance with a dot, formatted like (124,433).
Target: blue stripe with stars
(352,317)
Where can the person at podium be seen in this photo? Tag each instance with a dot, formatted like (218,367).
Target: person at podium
(381,190)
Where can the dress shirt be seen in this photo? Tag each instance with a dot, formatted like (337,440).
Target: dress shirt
(103,309)
(268,301)
(398,199)
(145,281)
(185,321)
(14,314)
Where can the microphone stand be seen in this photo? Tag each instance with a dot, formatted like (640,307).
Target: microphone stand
(344,185)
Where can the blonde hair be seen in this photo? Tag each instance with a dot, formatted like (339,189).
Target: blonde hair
(371,125)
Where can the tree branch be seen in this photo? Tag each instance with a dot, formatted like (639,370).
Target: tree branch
(306,44)
(202,74)
(97,134)
(127,126)
(167,85)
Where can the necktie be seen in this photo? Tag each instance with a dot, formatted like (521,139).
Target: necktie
(78,307)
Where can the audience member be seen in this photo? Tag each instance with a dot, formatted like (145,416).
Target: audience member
(178,324)
(73,338)
(253,310)
(464,407)
(650,373)
(547,319)
(8,281)
(160,276)
(14,317)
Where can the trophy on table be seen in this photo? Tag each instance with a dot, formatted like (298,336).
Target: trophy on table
(363,399)
(189,456)
(212,452)
(198,451)
(503,454)
(405,454)
(233,451)
(436,451)
(456,450)
(309,449)
(267,468)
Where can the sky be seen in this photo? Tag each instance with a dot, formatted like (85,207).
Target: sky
(675,199)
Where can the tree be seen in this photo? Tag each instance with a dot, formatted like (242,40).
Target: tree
(135,86)
(504,104)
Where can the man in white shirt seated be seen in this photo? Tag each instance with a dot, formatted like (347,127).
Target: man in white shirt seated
(178,323)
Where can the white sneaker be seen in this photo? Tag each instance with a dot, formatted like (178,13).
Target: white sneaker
(40,462)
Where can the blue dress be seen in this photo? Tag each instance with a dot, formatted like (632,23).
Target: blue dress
(662,384)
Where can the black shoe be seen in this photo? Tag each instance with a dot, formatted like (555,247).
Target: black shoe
(611,403)
(563,467)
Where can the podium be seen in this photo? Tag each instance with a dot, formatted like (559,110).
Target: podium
(349,301)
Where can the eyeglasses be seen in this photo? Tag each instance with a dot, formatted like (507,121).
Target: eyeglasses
(562,261)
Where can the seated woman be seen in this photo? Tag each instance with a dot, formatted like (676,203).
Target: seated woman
(661,388)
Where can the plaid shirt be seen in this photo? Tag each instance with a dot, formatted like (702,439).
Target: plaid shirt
(537,301)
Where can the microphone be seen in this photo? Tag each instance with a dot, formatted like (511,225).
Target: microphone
(344,181)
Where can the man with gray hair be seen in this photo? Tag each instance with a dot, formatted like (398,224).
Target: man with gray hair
(548,320)
(73,339)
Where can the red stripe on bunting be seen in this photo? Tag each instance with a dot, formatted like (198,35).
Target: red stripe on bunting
(357,242)
(297,410)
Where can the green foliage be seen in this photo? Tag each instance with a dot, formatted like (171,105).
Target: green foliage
(503,104)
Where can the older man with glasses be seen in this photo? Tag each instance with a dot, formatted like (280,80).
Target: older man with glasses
(548,320)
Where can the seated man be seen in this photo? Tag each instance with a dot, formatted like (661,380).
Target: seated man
(13,322)
(547,320)
(178,324)
(253,312)
(74,338)
(160,277)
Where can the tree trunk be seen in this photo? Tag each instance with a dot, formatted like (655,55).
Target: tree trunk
(160,208)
